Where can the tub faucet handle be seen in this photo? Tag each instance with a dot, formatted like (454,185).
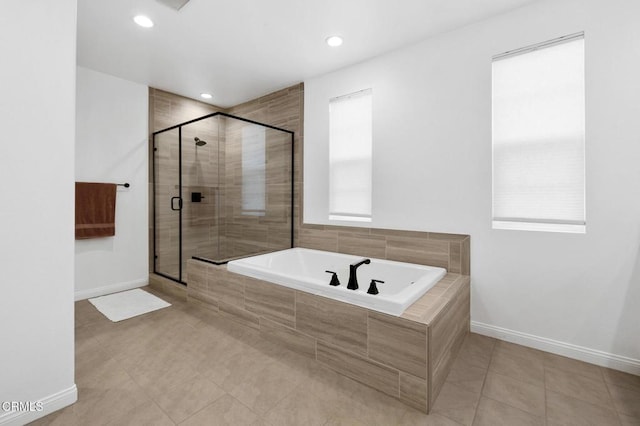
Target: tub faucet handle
(373,288)
(334,278)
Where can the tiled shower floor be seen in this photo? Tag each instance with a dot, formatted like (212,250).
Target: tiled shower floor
(187,365)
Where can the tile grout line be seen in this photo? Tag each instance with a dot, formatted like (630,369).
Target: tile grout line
(544,387)
(615,409)
(546,395)
(203,408)
(146,393)
(484,381)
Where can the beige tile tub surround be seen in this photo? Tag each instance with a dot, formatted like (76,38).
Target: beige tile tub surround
(407,357)
(449,251)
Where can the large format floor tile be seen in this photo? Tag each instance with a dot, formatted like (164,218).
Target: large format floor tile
(588,389)
(190,365)
(566,410)
(527,370)
(495,413)
(456,403)
(515,393)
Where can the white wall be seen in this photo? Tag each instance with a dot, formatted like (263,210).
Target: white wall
(37,118)
(111,146)
(571,294)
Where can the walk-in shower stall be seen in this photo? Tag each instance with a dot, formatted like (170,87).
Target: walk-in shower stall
(222,189)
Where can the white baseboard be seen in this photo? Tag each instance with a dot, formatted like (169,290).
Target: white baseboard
(108,289)
(603,359)
(50,404)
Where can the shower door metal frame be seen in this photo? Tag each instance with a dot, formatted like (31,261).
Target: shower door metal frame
(179,127)
(153,168)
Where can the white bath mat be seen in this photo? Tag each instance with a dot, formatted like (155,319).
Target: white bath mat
(128,304)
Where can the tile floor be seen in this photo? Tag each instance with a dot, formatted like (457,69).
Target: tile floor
(187,365)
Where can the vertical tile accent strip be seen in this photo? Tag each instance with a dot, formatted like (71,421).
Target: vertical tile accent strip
(465,256)
(455,248)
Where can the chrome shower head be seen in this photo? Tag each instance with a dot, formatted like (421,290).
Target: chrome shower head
(199,142)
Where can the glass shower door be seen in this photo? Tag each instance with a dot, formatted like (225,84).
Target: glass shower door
(222,189)
(168,204)
(200,184)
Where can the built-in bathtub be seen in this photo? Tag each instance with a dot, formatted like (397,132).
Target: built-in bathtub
(306,270)
(407,356)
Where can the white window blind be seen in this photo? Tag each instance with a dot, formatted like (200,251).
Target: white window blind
(538,97)
(350,156)
(254,182)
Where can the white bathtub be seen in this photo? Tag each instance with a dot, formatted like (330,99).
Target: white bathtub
(304,269)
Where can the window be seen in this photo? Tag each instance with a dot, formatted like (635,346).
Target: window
(350,156)
(538,137)
(254,192)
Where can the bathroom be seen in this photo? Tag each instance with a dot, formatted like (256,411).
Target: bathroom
(567,294)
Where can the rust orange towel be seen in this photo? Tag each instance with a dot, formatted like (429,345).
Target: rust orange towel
(95,210)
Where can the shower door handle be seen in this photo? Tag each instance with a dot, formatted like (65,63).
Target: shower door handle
(173,203)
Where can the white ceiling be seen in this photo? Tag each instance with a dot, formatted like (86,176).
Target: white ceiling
(242,49)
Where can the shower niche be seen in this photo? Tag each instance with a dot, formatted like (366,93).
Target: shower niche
(222,189)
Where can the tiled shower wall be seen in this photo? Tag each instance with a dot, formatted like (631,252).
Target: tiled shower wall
(255,232)
(283,109)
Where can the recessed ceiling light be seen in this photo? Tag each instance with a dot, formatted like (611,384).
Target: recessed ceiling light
(334,41)
(206,95)
(143,21)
